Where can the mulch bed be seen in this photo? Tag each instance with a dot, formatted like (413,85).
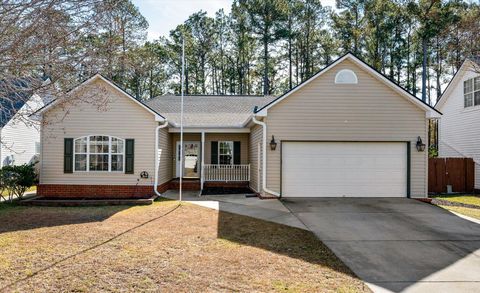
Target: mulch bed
(443,202)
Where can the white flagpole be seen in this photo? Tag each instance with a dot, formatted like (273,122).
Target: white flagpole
(181,120)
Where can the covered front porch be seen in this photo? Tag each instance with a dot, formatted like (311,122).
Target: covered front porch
(212,158)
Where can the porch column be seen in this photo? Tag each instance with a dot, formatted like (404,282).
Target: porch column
(203,161)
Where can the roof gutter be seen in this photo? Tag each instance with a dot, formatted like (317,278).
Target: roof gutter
(264,157)
(155,185)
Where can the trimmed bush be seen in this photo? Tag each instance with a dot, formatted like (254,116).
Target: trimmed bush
(15,180)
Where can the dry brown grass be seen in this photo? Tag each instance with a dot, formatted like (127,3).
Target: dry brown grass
(161,247)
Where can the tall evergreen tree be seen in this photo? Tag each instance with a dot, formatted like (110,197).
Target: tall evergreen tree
(267,19)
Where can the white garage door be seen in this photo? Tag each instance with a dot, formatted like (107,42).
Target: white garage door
(350,169)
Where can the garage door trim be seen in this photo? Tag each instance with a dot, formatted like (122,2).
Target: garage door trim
(350,141)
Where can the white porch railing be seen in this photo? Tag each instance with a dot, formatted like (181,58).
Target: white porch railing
(226,172)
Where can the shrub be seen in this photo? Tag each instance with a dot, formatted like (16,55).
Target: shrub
(432,152)
(17,179)
(3,185)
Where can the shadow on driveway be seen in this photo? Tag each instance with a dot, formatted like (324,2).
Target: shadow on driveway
(396,244)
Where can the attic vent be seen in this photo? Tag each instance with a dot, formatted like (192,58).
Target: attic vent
(346,76)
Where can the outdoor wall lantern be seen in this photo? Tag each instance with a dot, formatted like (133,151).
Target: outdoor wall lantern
(273,144)
(420,145)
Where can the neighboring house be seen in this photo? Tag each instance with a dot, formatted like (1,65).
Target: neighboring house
(458,134)
(19,133)
(347,131)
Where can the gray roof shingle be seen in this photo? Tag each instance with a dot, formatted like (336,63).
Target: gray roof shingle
(208,111)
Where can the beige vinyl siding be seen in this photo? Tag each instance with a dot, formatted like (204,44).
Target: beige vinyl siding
(459,134)
(209,137)
(367,111)
(255,152)
(120,117)
(241,137)
(166,156)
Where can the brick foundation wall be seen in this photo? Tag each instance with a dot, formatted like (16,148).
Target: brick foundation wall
(186,184)
(98,191)
(123,191)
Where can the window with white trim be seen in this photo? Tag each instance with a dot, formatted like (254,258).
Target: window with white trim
(99,153)
(225,152)
(346,76)
(471,92)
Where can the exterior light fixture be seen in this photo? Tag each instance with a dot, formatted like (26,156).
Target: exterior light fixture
(273,144)
(420,145)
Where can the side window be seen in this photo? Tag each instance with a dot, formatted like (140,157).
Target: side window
(471,92)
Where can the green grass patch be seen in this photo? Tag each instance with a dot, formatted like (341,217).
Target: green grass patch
(465,199)
(32,188)
(474,213)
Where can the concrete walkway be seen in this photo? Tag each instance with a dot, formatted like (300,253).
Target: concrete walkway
(393,244)
(270,209)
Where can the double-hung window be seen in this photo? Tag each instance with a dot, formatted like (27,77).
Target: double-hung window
(99,153)
(471,92)
(225,152)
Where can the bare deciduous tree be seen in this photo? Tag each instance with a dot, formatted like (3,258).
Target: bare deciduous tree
(44,47)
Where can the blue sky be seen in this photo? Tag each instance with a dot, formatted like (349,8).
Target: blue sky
(165,15)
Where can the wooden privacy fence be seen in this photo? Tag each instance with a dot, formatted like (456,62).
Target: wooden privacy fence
(457,172)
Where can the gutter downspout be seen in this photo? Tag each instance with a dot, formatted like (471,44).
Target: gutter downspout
(155,185)
(264,157)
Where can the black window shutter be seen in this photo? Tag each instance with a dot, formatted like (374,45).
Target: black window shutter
(129,155)
(214,153)
(236,152)
(67,155)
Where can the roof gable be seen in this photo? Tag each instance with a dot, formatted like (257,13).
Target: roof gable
(96,77)
(430,111)
(467,65)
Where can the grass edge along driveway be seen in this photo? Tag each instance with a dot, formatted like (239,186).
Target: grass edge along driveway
(468,205)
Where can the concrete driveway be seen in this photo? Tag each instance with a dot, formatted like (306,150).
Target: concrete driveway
(396,244)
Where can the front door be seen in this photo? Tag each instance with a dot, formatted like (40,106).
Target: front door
(191,164)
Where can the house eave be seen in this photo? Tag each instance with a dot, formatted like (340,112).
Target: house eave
(200,129)
(158,117)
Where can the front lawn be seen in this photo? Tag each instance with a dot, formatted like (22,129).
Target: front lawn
(465,199)
(468,205)
(161,247)
(474,213)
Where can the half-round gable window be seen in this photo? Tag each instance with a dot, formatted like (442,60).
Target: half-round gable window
(346,76)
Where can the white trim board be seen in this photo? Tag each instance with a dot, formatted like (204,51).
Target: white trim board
(158,117)
(429,112)
(209,130)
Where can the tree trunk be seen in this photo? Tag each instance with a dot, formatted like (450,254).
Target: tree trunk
(424,69)
(290,57)
(439,70)
(408,61)
(265,63)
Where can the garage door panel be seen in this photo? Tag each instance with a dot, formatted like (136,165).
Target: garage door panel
(354,169)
